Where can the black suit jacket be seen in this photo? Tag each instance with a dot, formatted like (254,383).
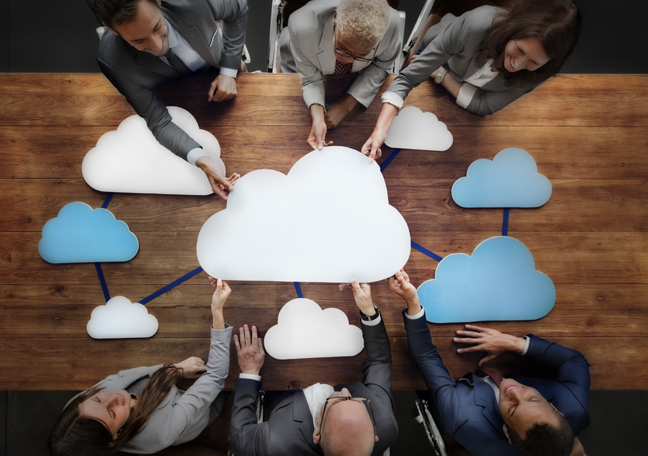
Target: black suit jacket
(289,428)
(137,74)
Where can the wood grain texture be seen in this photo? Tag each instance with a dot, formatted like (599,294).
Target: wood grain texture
(587,134)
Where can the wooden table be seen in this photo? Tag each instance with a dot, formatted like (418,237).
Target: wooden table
(588,135)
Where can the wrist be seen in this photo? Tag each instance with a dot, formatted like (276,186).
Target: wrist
(368,310)
(317,112)
(218,320)
(517,344)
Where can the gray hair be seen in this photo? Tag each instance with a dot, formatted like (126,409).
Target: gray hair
(363,20)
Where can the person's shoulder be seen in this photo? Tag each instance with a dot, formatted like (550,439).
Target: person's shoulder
(312,15)
(113,50)
(481,18)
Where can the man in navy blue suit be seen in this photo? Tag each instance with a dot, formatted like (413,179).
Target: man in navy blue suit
(491,416)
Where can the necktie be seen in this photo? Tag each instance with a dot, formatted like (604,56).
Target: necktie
(177,64)
(342,68)
(497,378)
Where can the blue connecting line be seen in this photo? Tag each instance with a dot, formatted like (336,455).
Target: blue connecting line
(505,222)
(102,280)
(107,200)
(389,159)
(173,284)
(298,289)
(426,251)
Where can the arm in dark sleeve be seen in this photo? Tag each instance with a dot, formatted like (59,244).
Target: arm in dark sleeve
(233,13)
(148,106)
(247,437)
(376,367)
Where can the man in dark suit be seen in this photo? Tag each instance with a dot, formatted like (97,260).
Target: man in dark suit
(491,416)
(320,419)
(154,42)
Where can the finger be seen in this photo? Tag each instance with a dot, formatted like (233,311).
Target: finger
(344,286)
(247,335)
(254,334)
(466,340)
(472,334)
(218,191)
(242,337)
(236,344)
(357,289)
(320,143)
(260,346)
(477,328)
(330,143)
(476,348)
(311,142)
(212,89)
(405,275)
(378,153)
(219,285)
(486,358)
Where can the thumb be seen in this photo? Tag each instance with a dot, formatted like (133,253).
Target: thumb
(486,358)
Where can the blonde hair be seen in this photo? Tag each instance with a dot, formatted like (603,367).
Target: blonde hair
(365,21)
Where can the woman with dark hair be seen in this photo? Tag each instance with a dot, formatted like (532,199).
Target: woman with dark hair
(141,410)
(486,58)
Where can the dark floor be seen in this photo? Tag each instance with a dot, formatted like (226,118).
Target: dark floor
(58,36)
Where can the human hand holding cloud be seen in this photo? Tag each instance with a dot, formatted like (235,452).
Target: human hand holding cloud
(249,349)
(219,298)
(489,340)
(362,296)
(400,284)
(217,180)
(192,367)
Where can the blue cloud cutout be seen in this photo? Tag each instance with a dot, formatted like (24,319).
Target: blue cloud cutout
(80,234)
(497,282)
(511,179)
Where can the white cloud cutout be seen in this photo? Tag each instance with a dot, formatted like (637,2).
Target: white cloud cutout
(414,129)
(131,160)
(328,220)
(304,330)
(119,318)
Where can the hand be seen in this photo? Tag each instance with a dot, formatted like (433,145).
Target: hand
(371,148)
(192,367)
(217,180)
(362,296)
(222,88)
(249,350)
(399,283)
(219,298)
(339,111)
(317,137)
(491,341)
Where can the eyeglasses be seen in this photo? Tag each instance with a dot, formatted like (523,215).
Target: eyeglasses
(345,53)
(337,399)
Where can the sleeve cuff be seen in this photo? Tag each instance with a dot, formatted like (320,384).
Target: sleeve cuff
(526,346)
(372,322)
(465,95)
(229,72)
(393,99)
(250,377)
(416,316)
(195,154)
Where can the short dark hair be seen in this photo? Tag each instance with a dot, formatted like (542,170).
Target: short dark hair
(545,440)
(113,13)
(555,23)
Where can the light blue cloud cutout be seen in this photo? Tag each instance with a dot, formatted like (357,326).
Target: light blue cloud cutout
(511,179)
(497,282)
(80,234)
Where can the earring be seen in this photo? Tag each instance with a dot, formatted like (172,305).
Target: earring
(120,431)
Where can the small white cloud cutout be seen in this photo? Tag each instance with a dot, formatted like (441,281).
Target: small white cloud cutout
(328,220)
(304,330)
(119,318)
(511,179)
(131,160)
(415,129)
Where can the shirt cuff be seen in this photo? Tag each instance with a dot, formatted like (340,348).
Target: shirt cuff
(465,95)
(229,72)
(415,316)
(250,377)
(195,154)
(393,99)
(526,346)
(372,322)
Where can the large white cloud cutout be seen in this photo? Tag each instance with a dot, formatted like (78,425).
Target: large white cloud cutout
(511,179)
(119,318)
(497,282)
(131,160)
(304,330)
(415,129)
(328,220)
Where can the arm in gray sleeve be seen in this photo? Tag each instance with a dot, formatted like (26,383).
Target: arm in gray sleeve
(234,16)
(486,102)
(148,106)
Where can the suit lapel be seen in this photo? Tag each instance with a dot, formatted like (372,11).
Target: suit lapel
(156,64)
(326,54)
(304,420)
(485,398)
(190,32)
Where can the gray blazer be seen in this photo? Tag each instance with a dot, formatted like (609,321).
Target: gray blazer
(455,43)
(307,49)
(137,74)
(182,415)
(289,427)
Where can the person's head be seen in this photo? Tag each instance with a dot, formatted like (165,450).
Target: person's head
(100,423)
(139,22)
(533,425)
(359,27)
(345,426)
(532,39)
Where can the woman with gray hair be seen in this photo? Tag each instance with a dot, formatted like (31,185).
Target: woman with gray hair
(327,37)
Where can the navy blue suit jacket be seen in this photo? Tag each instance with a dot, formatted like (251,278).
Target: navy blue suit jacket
(467,409)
